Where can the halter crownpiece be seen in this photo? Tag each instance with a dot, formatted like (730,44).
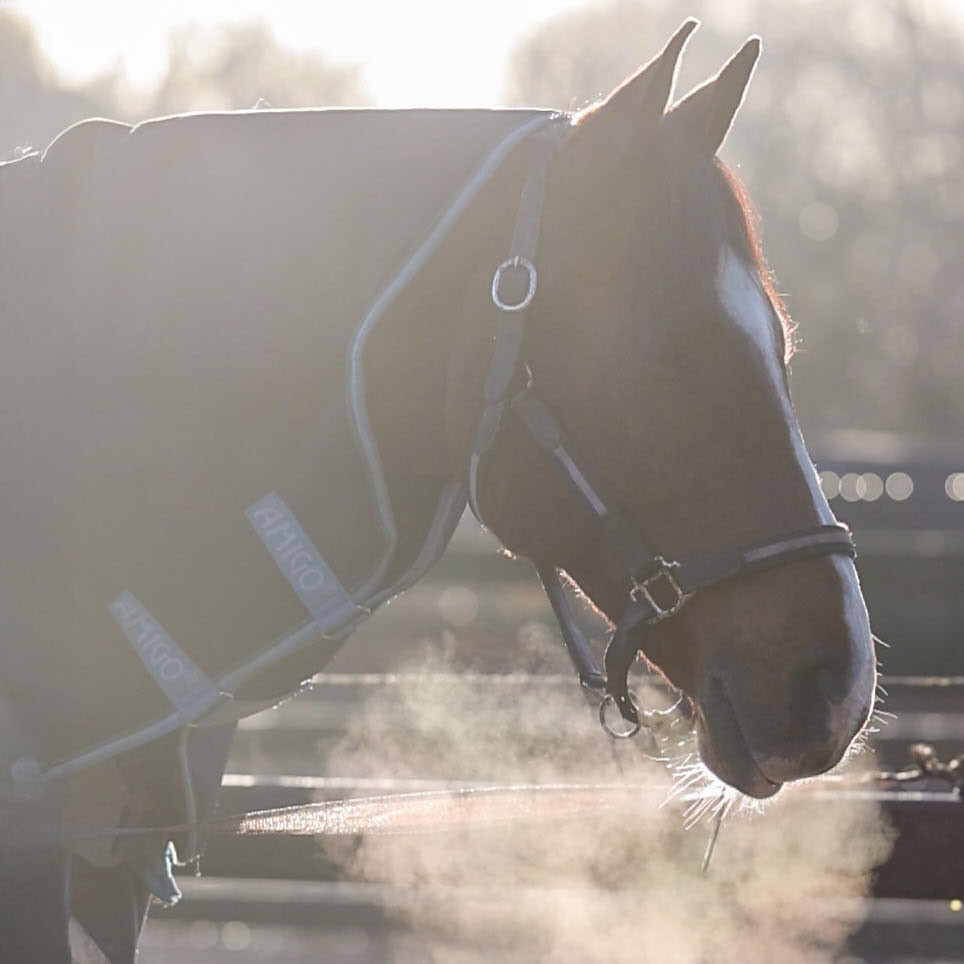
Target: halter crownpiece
(660,587)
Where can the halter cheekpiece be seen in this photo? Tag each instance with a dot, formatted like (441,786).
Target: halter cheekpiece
(660,587)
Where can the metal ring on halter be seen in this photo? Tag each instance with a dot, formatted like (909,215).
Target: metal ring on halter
(616,734)
(515,263)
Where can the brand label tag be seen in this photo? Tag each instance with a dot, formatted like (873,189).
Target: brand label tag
(301,563)
(182,681)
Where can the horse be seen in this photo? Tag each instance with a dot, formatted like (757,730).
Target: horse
(256,364)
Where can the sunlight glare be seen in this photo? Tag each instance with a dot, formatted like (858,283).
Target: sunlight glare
(415,54)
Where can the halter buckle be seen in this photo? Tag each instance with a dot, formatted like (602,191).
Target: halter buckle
(515,264)
(661,583)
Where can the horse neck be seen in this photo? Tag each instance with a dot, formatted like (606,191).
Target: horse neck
(427,362)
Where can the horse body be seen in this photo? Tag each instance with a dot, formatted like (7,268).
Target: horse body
(180,301)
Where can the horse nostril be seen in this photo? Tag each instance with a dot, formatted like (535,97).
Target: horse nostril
(816,690)
(832,682)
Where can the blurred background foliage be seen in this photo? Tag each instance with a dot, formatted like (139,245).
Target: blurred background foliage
(851,144)
(229,67)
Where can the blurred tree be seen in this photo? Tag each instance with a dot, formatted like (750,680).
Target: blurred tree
(851,143)
(219,68)
(34,105)
(236,65)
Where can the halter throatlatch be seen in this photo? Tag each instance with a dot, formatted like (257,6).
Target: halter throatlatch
(659,587)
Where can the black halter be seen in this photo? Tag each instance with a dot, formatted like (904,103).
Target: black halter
(660,587)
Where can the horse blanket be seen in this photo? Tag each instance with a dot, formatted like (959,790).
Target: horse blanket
(183,307)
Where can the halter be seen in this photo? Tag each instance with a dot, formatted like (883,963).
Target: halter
(660,587)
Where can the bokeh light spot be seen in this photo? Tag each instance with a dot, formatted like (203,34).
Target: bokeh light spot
(235,935)
(818,221)
(830,483)
(852,487)
(873,486)
(458,605)
(954,486)
(899,486)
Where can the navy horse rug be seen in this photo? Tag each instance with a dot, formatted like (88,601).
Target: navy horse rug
(197,503)
(190,468)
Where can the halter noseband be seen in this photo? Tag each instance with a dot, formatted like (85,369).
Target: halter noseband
(660,587)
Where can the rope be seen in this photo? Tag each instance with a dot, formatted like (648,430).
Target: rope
(426,811)
(429,811)
(371,680)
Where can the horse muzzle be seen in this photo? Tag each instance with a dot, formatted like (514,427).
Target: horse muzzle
(760,746)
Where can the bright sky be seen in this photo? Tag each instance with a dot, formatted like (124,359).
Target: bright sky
(412,52)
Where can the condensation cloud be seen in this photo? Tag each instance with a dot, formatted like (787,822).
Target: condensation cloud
(620,881)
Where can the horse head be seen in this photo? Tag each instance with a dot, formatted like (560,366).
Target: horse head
(657,339)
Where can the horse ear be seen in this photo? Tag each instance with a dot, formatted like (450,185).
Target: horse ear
(636,106)
(707,112)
